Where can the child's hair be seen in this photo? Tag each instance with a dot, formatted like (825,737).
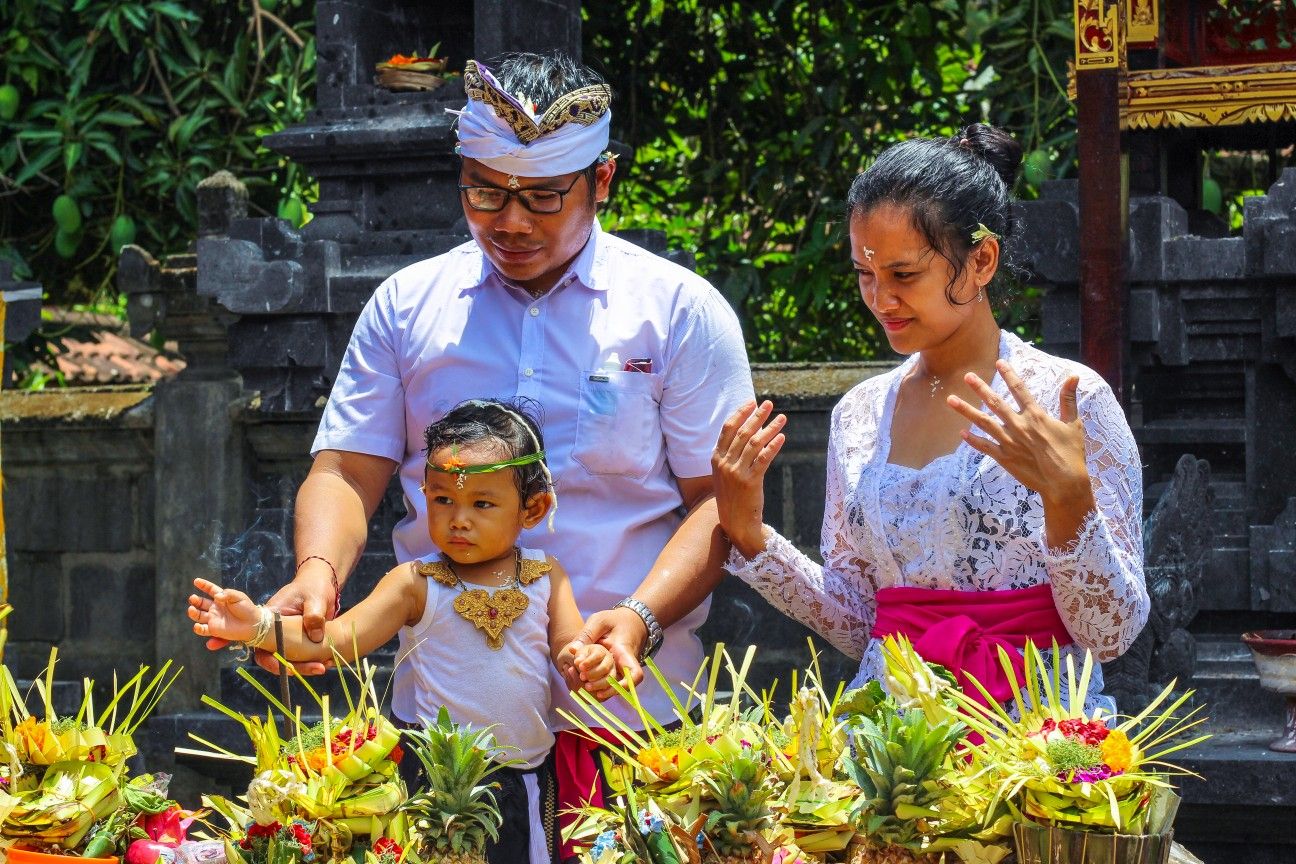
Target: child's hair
(950,186)
(512,424)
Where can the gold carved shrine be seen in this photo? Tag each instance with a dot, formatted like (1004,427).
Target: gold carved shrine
(1211,88)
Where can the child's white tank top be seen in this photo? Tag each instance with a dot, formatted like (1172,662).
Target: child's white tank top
(452,665)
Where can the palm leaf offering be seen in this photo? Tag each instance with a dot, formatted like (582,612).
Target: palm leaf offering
(63,778)
(912,770)
(322,788)
(916,771)
(1050,763)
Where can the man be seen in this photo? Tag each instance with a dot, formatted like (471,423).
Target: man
(634,361)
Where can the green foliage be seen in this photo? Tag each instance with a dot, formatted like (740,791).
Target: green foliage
(1025,47)
(749,121)
(111,112)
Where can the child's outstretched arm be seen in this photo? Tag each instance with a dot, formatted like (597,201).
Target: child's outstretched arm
(225,613)
(583,666)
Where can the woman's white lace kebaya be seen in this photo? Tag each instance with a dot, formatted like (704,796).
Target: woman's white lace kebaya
(963,523)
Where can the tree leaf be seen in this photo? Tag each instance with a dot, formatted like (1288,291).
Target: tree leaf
(33,167)
(72,154)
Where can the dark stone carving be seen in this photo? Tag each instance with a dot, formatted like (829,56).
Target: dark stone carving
(1176,541)
(1213,358)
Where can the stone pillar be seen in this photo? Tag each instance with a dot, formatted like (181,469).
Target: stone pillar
(199,475)
(199,467)
(540,25)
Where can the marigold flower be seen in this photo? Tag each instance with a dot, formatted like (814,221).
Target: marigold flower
(34,737)
(1117,752)
(318,759)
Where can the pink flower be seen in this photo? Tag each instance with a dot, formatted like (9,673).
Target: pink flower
(168,827)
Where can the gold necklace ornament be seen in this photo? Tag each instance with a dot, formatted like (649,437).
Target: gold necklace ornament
(490,612)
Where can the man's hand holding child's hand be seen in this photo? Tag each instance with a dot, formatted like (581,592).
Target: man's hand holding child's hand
(587,667)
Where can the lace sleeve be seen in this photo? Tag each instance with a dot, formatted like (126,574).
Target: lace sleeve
(836,599)
(1098,580)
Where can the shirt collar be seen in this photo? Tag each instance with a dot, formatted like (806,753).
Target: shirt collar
(587,267)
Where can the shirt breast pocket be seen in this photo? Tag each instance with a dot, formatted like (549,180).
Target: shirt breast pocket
(617,429)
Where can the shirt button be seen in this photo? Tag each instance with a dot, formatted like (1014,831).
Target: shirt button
(528,372)
(535,310)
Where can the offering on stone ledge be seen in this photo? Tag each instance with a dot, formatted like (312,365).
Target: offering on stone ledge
(412,72)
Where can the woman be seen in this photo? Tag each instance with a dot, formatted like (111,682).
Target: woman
(965,528)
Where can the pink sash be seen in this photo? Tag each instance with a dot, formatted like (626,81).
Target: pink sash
(963,630)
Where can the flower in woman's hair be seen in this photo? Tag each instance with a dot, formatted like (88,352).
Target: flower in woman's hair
(982,233)
(528,105)
(1117,752)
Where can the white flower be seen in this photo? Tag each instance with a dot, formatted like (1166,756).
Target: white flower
(269,791)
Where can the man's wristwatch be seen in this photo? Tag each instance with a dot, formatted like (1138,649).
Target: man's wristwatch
(655,634)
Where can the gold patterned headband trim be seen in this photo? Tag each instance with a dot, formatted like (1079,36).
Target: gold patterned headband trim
(584,106)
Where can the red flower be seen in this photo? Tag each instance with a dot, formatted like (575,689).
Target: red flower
(387,846)
(300,834)
(396,755)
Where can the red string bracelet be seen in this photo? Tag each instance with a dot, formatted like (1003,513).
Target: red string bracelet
(337,589)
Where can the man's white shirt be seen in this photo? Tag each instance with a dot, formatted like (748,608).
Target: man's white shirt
(452,328)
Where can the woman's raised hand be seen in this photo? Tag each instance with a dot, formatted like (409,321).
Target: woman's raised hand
(1044,454)
(223,612)
(743,454)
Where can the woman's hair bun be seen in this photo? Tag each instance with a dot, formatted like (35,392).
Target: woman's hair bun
(995,146)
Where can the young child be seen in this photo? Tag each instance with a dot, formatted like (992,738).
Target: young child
(478,623)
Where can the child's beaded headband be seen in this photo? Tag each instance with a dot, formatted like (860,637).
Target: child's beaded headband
(456,466)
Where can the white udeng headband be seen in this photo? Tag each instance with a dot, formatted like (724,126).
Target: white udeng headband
(489,140)
(559,142)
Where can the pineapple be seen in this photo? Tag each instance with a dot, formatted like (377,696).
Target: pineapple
(741,788)
(897,755)
(450,821)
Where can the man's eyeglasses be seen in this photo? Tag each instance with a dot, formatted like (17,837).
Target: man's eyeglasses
(492,199)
